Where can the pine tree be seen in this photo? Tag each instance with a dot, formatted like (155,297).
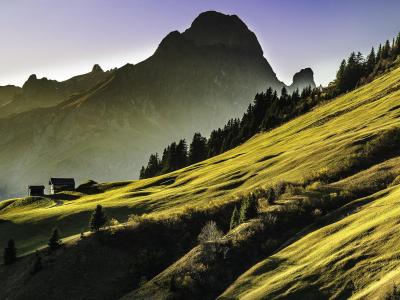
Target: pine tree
(181,158)
(248,209)
(10,253)
(142,174)
(153,166)
(371,61)
(198,149)
(379,53)
(235,219)
(54,241)
(385,50)
(98,219)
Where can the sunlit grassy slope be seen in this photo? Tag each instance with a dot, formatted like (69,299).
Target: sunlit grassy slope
(360,252)
(312,142)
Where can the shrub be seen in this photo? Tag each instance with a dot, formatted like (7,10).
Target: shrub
(54,241)
(210,233)
(98,219)
(10,253)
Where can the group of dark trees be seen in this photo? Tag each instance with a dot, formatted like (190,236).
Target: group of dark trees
(270,109)
(267,111)
(357,69)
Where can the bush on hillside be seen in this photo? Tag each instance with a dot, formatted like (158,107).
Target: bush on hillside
(210,233)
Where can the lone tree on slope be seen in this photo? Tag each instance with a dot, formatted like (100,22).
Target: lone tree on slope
(98,219)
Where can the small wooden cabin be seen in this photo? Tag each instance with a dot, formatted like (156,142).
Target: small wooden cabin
(36,190)
(61,184)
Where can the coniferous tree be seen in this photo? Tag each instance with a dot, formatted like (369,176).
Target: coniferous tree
(181,155)
(54,241)
(235,219)
(385,50)
(10,253)
(142,174)
(98,219)
(198,149)
(371,61)
(248,209)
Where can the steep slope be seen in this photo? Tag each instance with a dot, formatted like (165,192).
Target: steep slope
(111,121)
(353,258)
(307,146)
(316,262)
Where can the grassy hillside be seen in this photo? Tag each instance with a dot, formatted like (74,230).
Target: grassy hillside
(344,151)
(359,252)
(310,145)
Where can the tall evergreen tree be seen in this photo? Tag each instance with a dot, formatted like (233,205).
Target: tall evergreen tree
(248,209)
(235,219)
(385,50)
(10,253)
(181,155)
(98,219)
(371,61)
(198,149)
(142,174)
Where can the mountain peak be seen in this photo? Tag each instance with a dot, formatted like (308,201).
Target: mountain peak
(304,78)
(215,28)
(32,77)
(97,69)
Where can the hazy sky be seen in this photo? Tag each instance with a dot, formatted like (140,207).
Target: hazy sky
(59,39)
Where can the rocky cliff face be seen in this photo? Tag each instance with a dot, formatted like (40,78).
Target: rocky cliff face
(103,125)
(302,79)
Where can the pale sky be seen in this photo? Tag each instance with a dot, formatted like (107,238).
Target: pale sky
(59,39)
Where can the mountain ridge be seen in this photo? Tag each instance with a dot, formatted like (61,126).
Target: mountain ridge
(131,111)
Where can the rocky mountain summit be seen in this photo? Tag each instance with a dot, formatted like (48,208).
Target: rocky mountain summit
(103,125)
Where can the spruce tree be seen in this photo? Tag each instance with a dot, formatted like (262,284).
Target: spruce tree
(371,61)
(235,219)
(10,253)
(248,209)
(98,219)
(142,174)
(198,149)
(54,241)
(181,158)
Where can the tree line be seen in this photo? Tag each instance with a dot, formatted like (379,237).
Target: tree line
(270,109)
(267,111)
(358,70)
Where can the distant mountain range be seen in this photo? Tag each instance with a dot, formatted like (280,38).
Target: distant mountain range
(102,125)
